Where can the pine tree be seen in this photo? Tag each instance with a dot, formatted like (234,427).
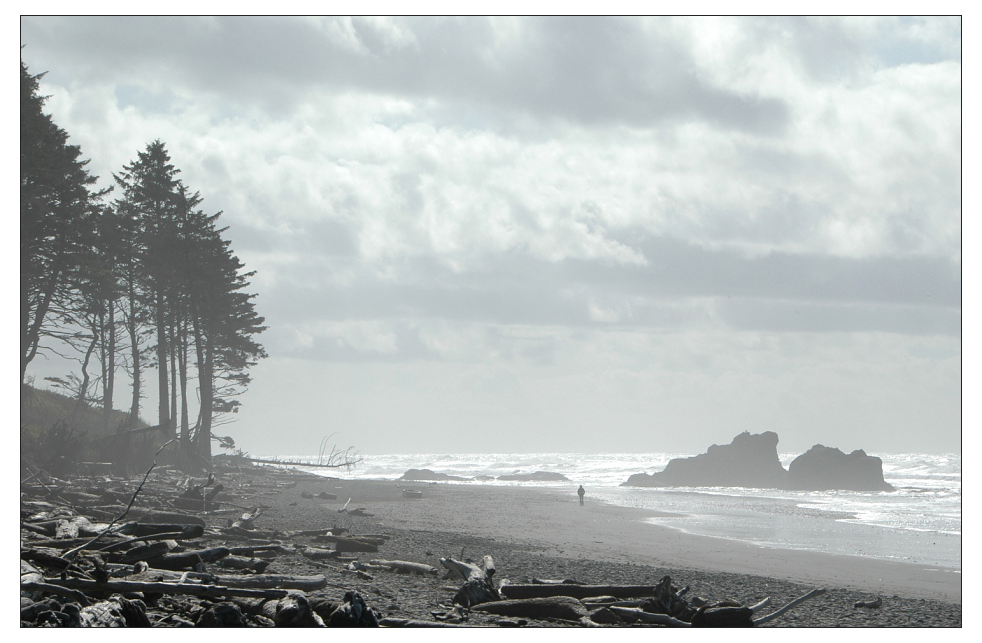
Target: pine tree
(151,200)
(57,214)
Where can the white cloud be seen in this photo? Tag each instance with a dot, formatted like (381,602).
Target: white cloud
(563,222)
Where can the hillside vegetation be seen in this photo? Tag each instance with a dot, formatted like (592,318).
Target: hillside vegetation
(57,433)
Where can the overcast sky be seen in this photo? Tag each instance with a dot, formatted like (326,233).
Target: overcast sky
(560,234)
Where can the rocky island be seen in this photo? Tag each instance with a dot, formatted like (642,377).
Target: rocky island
(751,460)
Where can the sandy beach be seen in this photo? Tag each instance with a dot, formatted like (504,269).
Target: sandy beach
(547,534)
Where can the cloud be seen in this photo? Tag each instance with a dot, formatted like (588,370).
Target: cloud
(660,224)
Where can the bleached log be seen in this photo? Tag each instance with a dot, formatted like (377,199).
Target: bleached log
(561,607)
(478,587)
(405,622)
(801,599)
(241,562)
(406,567)
(576,591)
(254,581)
(191,589)
(246,520)
(647,617)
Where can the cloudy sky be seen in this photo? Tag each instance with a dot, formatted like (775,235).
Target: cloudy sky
(560,234)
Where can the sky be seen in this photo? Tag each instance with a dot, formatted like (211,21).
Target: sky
(559,234)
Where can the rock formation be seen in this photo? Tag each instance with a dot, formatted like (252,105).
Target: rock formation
(752,461)
(538,476)
(748,461)
(821,468)
(426,474)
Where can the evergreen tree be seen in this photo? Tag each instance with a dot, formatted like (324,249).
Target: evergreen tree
(57,214)
(151,200)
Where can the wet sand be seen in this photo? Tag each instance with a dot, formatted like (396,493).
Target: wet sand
(555,520)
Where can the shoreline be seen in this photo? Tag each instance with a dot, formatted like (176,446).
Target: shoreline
(290,518)
(552,521)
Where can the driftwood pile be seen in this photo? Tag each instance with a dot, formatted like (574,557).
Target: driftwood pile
(171,551)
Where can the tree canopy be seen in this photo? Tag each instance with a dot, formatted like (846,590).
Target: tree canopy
(144,282)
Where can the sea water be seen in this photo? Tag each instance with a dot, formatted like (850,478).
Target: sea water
(918,523)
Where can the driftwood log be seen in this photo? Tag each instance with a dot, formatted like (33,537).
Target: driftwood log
(191,589)
(254,581)
(173,532)
(406,567)
(576,591)
(667,599)
(561,607)
(478,587)
(632,614)
(353,612)
(794,603)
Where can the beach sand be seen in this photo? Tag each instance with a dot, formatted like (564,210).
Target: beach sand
(545,533)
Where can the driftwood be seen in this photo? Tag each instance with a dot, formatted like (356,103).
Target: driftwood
(143,552)
(406,622)
(478,587)
(576,591)
(240,562)
(49,560)
(70,555)
(67,592)
(633,614)
(561,607)
(244,522)
(224,614)
(667,599)
(355,544)
(405,567)
(254,581)
(723,616)
(115,612)
(330,537)
(173,532)
(794,603)
(192,589)
(353,612)
(316,553)
(192,560)
(167,517)
(293,611)
(270,550)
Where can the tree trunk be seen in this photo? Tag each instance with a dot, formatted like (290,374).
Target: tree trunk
(83,387)
(173,379)
(182,362)
(207,384)
(109,377)
(134,333)
(31,337)
(163,421)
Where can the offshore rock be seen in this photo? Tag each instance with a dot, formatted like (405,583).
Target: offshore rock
(426,474)
(748,461)
(822,468)
(538,476)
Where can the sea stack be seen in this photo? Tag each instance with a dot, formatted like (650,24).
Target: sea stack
(750,460)
(822,468)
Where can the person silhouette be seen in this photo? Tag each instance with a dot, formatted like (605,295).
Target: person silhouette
(581,492)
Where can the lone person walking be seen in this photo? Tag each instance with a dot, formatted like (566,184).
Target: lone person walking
(581,492)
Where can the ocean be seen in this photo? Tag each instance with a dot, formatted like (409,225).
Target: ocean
(919,523)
